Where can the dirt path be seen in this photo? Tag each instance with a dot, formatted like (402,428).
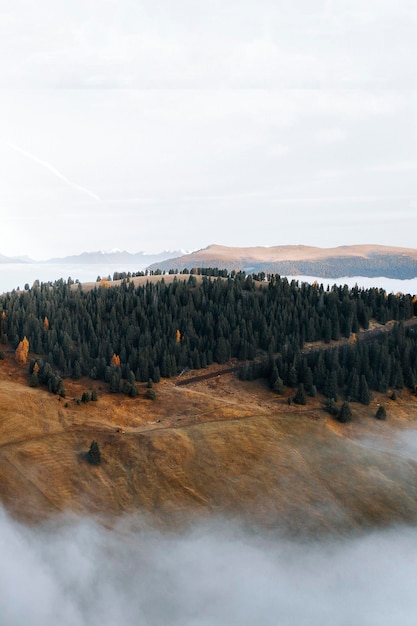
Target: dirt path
(363,335)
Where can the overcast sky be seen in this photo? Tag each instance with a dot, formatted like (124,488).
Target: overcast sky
(144,125)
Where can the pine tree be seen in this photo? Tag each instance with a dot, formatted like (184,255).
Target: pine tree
(364,395)
(34,380)
(278,386)
(292,376)
(330,385)
(331,407)
(94,454)
(345,413)
(381,413)
(300,397)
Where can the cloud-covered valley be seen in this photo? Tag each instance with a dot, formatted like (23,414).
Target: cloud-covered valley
(79,573)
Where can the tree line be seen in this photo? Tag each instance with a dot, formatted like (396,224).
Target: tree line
(129,333)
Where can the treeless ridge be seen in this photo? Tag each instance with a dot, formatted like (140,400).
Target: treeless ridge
(295,253)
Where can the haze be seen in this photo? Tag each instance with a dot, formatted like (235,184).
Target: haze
(144,126)
(215,575)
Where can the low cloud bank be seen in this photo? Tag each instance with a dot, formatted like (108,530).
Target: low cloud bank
(81,574)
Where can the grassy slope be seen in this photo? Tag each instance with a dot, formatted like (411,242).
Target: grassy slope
(218,446)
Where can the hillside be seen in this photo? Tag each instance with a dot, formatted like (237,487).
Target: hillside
(226,355)
(212,447)
(359,260)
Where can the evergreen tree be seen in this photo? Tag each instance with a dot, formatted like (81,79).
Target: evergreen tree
(34,379)
(300,397)
(292,376)
(330,387)
(331,407)
(278,386)
(364,394)
(94,454)
(345,413)
(381,413)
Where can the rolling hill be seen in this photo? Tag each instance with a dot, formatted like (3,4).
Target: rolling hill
(359,260)
(215,446)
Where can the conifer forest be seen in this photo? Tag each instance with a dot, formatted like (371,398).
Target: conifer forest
(126,333)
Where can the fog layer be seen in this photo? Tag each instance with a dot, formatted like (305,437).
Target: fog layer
(81,574)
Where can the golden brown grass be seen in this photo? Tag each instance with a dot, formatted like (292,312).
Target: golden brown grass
(214,447)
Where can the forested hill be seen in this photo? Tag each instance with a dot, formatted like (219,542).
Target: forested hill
(370,260)
(130,332)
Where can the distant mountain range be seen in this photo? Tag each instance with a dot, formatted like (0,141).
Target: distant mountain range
(141,259)
(357,260)
(15,259)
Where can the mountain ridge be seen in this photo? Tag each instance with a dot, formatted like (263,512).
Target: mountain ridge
(364,259)
(115,256)
(99,256)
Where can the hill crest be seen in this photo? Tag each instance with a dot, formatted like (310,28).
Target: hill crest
(355,260)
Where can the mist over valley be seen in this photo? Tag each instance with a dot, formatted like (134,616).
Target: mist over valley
(214,575)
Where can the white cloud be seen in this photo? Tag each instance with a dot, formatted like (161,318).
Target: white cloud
(149,105)
(214,575)
(330,135)
(402,166)
(275,45)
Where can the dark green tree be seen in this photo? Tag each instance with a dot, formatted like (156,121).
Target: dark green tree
(345,413)
(34,379)
(278,386)
(381,413)
(300,397)
(94,454)
(331,407)
(330,385)
(364,394)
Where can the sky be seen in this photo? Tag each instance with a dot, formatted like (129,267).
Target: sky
(146,126)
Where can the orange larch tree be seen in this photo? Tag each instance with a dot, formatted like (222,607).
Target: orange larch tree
(22,351)
(115,360)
